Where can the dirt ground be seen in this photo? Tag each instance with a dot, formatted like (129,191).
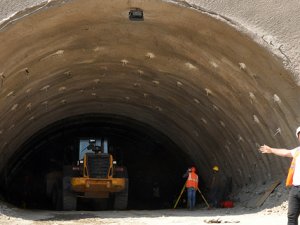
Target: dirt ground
(273,211)
(178,216)
(201,215)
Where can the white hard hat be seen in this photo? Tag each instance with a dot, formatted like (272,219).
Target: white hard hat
(297,131)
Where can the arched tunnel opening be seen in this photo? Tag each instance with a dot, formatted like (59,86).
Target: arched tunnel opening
(176,89)
(151,158)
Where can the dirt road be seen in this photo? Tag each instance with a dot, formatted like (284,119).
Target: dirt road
(199,216)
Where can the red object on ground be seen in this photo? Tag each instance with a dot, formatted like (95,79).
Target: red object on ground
(227,204)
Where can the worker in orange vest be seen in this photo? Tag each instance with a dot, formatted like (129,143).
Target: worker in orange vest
(191,186)
(293,179)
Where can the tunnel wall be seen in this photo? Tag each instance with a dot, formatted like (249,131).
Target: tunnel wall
(273,24)
(210,88)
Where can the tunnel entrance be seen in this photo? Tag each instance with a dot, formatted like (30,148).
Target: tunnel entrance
(152,160)
(206,93)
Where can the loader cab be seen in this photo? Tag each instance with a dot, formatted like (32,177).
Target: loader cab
(94,152)
(90,145)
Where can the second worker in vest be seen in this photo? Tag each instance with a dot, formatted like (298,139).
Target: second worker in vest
(293,178)
(191,186)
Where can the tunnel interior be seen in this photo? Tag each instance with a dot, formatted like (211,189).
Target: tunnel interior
(179,87)
(149,156)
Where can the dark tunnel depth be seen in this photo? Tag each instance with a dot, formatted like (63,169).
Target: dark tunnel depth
(151,159)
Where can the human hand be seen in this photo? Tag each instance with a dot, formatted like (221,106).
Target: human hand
(265,149)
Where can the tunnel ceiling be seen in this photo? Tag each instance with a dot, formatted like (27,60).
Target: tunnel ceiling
(211,89)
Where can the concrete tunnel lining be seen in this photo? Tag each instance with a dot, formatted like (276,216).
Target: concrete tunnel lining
(211,89)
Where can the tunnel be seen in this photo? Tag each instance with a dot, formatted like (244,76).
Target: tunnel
(130,142)
(176,89)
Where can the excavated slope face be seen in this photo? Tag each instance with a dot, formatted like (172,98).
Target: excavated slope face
(210,89)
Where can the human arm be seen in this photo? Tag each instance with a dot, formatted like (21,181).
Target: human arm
(276,151)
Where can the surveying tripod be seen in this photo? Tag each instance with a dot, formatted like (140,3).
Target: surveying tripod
(182,190)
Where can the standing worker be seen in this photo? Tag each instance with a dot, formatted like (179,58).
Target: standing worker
(215,194)
(293,178)
(191,186)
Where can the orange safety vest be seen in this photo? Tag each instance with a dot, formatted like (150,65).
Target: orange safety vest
(289,179)
(192,180)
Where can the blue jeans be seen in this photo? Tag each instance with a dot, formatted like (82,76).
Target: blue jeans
(294,205)
(191,196)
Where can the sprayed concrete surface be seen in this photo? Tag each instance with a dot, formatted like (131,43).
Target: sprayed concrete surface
(215,93)
(274,24)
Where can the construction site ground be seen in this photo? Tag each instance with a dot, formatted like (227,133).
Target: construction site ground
(245,212)
(237,215)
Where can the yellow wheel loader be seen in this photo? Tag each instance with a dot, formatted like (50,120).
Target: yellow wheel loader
(96,176)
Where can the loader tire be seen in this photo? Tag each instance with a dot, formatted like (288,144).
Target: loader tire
(121,198)
(56,197)
(69,199)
